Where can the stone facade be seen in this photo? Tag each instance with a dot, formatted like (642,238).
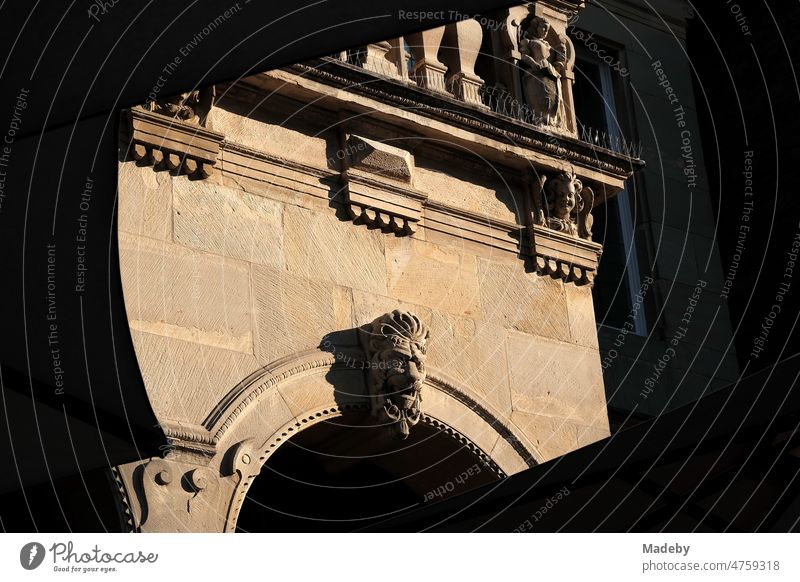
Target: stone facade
(258,247)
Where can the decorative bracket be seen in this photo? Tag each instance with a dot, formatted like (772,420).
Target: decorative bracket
(560,230)
(167,143)
(563,256)
(377,179)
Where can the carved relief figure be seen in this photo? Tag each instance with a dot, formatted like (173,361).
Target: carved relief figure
(543,67)
(564,204)
(396,345)
(193,106)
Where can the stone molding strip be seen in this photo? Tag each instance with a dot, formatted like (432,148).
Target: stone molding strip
(390,206)
(359,81)
(474,227)
(382,206)
(449,388)
(224,415)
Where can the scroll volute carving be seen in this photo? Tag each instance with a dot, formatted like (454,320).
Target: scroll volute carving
(510,33)
(396,346)
(175,495)
(564,204)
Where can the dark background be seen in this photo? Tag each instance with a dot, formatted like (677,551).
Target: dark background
(747,96)
(80,73)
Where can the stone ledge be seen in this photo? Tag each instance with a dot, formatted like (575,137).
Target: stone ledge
(612,168)
(382,206)
(566,257)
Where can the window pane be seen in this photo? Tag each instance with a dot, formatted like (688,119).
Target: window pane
(612,293)
(611,290)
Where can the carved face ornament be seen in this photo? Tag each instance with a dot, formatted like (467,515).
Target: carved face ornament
(398,343)
(539,28)
(564,189)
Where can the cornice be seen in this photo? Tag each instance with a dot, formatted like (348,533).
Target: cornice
(484,122)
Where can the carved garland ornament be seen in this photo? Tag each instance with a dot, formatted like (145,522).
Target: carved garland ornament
(396,345)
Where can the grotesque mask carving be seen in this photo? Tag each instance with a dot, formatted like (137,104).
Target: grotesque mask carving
(396,345)
(565,205)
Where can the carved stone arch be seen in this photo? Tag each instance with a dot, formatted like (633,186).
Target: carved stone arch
(269,407)
(307,385)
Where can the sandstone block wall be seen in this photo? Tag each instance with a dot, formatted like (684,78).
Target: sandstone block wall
(227,274)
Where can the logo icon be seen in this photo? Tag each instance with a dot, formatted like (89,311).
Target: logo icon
(31,555)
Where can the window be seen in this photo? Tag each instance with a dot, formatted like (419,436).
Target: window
(618,277)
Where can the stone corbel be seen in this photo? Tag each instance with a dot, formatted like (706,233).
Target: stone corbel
(378,191)
(460,49)
(170,495)
(185,492)
(166,143)
(564,256)
(560,231)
